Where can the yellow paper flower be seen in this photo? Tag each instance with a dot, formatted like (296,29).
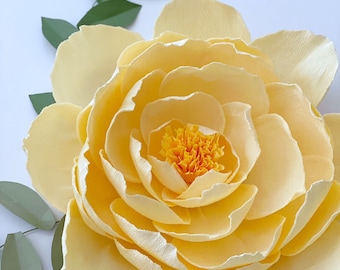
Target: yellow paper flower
(198,149)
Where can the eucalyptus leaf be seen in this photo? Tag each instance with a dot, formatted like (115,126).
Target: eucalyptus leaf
(40,101)
(27,204)
(116,13)
(19,254)
(56,251)
(56,30)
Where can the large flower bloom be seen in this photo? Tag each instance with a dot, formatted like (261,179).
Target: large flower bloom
(198,149)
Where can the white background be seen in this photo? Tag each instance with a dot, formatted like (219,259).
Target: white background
(26,60)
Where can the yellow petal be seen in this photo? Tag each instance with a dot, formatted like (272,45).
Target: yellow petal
(82,121)
(226,83)
(303,58)
(141,201)
(319,222)
(240,248)
(278,173)
(333,122)
(206,19)
(306,125)
(87,60)
(323,254)
(143,234)
(51,146)
(216,220)
(262,265)
(161,111)
(85,249)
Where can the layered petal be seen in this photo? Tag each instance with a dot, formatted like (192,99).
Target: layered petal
(303,58)
(77,234)
(51,146)
(333,122)
(206,19)
(83,63)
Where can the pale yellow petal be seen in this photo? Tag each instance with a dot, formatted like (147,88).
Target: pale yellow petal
(143,234)
(303,58)
(305,123)
(141,201)
(117,143)
(333,122)
(205,19)
(240,248)
(51,146)
(82,121)
(225,83)
(279,167)
(323,254)
(262,265)
(242,135)
(216,220)
(161,111)
(195,53)
(87,250)
(87,60)
(319,222)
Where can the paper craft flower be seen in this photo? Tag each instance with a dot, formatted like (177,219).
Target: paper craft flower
(198,149)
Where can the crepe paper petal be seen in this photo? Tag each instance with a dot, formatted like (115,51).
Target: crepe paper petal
(333,122)
(240,248)
(262,265)
(80,244)
(195,53)
(214,221)
(26,204)
(144,235)
(82,122)
(308,128)
(319,222)
(206,19)
(138,199)
(56,249)
(215,193)
(97,194)
(136,257)
(116,13)
(322,254)
(105,104)
(83,64)
(299,212)
(56,30)
(303,58)
(51,145)
(209,115)
(286,178)
(40,101)
(137,48)
(242,135)
(117,144)
(225,83)
(19,254)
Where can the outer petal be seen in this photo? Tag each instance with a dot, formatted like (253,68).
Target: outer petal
(51,146)
(80,244)
(83,63)
(303,58)
(323,254)
(205,19)
(333,122)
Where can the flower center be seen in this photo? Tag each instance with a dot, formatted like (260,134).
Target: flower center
(191,152)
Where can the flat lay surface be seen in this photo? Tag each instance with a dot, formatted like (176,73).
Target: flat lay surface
(26,60)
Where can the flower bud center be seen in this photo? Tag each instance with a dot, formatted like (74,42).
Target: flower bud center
(191,152)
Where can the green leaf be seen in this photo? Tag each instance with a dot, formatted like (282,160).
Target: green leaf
(116,13)
(19,254)
(56,251)
(56,30)
(101,1)
(27,204)
(40,101)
